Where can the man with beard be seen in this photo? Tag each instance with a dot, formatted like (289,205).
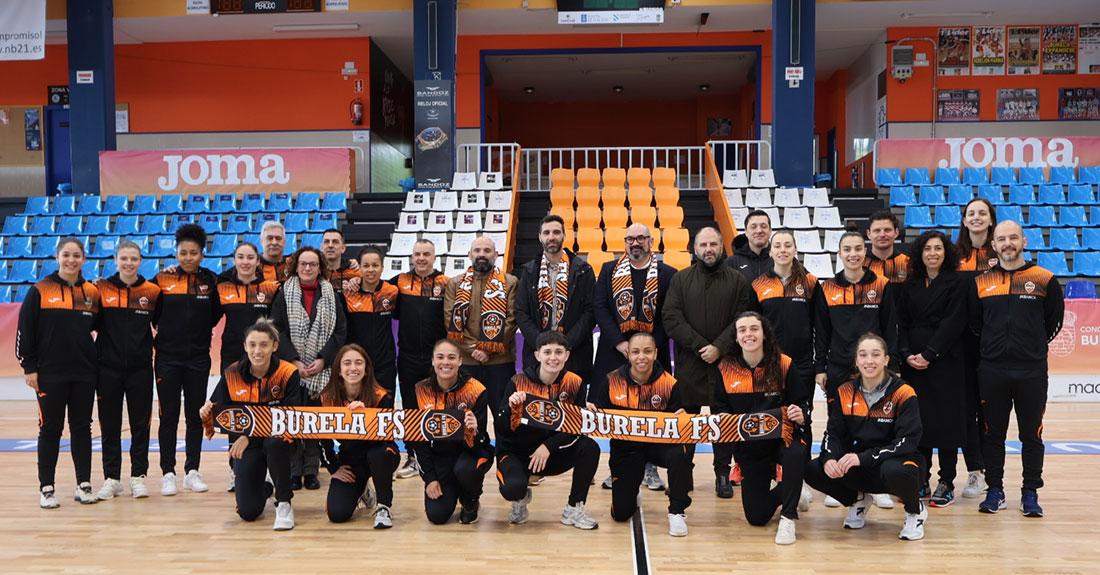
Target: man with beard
(700,312)
(1016,309)
(555,294)
(883,259)
(750,249)
(479,312)
(272,261)
(341,269)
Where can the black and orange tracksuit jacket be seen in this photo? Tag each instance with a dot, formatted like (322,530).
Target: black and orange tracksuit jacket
(354,451)
(338,276)
(274,271)
(189,310)
(467,394)
(1016,314)
(281,385)
(620,391)
(745,389)
(242,303)
(894,268)
(127,312)
(420,311)
(977,261)
(568,388)
(370,316)
(54,338)
(790,310)
(889,428)
(846,311)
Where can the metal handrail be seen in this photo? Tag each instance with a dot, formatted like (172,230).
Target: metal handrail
(741,154)
(479,158)
(537,163)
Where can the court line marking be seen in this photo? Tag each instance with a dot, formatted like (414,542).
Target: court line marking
(639,541)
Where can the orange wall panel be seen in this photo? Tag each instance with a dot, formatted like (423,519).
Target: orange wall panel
(24,81)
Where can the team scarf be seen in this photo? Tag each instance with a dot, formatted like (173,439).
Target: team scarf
(652,426)
(548,304)
(622,292)
(494,306)
(342,424)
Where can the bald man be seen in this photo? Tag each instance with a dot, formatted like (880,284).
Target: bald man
(1016,309)
(479,313)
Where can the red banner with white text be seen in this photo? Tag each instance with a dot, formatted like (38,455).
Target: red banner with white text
(956,153)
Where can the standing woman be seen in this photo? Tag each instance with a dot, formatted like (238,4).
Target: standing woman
(55,348)
(309,315)
(352,385)
(931,317)
(189,310)
(976,256)
(371,309)
(125,345)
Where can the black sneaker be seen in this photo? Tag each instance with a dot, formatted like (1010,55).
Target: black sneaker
(312,483)
(468,515)
(296,482)
(943,496)
(722,487)
(925,491)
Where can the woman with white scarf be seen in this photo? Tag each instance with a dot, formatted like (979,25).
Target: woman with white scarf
(309,313)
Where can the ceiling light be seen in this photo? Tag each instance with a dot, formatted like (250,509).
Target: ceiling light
(982,14)
(704,87)
(529,89)
(617,89)
(314,27)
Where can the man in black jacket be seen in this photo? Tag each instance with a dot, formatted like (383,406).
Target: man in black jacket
(750,250)
(555,294)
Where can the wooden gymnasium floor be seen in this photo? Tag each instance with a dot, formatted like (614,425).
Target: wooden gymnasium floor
(199,533)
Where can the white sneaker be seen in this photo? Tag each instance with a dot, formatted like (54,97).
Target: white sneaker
(232,483)
(193,481)
(831,501)
(111,488)
(519,513)
(883,500)
(382,517)
(677,525)
(914,525)
(284,516)
(652,479)
(576,516)
(48,498)
(806,498)
(168,486)
(410,469)
(535,480)
(368,499)
(786,533)
(975,485)
(607,483)
(138,490)
(84,494)
(857,513)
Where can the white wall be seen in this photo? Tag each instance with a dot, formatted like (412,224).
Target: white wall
(861,98)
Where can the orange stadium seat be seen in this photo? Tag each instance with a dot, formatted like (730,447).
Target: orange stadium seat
(614,196)
(643,215)
(588,196)
(598,259)
(566,213)
(561,196)
(664,178)
(614,237)
(667,196)
(588,217)
(670,216)
(614,216)
(562,177)
(570,241)
(589,240)
(678,260)
(674,239)
(588,177)
(640,196)
(639,178)
(614,177)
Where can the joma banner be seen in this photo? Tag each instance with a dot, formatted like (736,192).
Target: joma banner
(342,423)
(955,153)
(230,171)
(652,426)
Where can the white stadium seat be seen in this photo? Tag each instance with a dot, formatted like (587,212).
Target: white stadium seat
(439,222)
(797,218)
(787,198)
(773,215)
(500,240)
(416,201)
(739,215)
(762,179)
(439,240)
(455,265)
(401,244)
(500,200)
(815,197)
(821,265)
(460,244)
(735,179)
(445,201)
(832,240)
(497,221)
(464,181)
(491,181)
(395,265)
(827,218)
(472,201)
(735,197)
(468,222)
(410,222)
(758,198)
(808,241)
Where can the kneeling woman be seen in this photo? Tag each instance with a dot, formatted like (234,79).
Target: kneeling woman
(353,385)
(453,472)
(259,378)
(759,377)
(644,385)
(871,441)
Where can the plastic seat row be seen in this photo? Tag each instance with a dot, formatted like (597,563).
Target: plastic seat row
(486,181)
(593,239)
(295,222)
(1018,194)
(889,177)
(636,177)
(1040,216)
(192,204)
(449,201)
(784,198)
(30,271)
(161,246)
(751,179)
(401,244)
(1065,239)
(453,221)
(824,218)
(615,217)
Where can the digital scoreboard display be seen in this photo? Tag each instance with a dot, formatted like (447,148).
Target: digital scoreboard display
(264,6)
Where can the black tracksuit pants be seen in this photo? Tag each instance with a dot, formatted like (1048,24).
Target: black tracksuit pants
(410,371)
(900,476)
(628,459)
(757,460)
(54,398)
(136,386)
(174,380)
(380,462)
(461,477)
(583,456)
(263,455)
(1003,388)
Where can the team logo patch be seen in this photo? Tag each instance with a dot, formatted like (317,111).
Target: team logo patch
(143,302)
(492,325)
(1029,287)
(624,304)
(276,391)
(798,289)
(235,420)
(655,401)
(386,303)
(992,262)
(758,424)
(564,396)
(871,295)
(440,425)
(437,291)
(260,297)
(886,409)
(543,411)
(902,274)
(203,288)
(462,406)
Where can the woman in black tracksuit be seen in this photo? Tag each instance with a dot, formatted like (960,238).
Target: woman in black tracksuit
(353,385)
(759,377)
(54,346)
(371,309)
(189,311)
(130,305)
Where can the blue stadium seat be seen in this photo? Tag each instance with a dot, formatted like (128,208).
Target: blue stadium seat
(1065,239)
(36,206)
(1041,216)
(994,194)
(89,205)
(144,205)
(975,176)
(5,292)
(1090,238)
(212,223)
(162,247)
(1081,194)
(1094,214)
(308,202)
(153,224)
(23,272)
(21,293)
(1052,194)
(1021,194)
(239,224)
(262,219)
(338,201)
(70,226)
(948,216)
(1010,213)
(224,203)
(1032,176)
(170,204)
(43,225)
(115,205)
(223,246)
(278,202)
(887,177)
(109,268)
(169,262)
(98,225)
(960,195)
(253,203)
(917,177)
(90,271)
(932,196)
(1055,262)
(216,265)
(312,239)
(3,273)
(296,222)
(18,247)
(947,176)
(1089,175)
(127,225)
(1003,176)
(46,267)
(16,226)
(903,196)
(918,217)
(149,268)
(1072,216)
(63,205)
(1063,175)
(179,221)
(1087,264)
(1080,289)
(197,204)
(105,246)
(45,247)
(323,222)
(141,241)
(291,243)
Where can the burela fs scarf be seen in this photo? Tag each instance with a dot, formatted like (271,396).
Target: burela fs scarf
(548,304)
(494,307)
(310,337)
(622,290)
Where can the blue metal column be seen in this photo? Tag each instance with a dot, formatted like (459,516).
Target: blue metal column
(793,103)
(91,104)
(435,38)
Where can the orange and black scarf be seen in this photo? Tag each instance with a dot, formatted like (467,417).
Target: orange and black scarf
(494,307)
(622,292)
(548,304)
